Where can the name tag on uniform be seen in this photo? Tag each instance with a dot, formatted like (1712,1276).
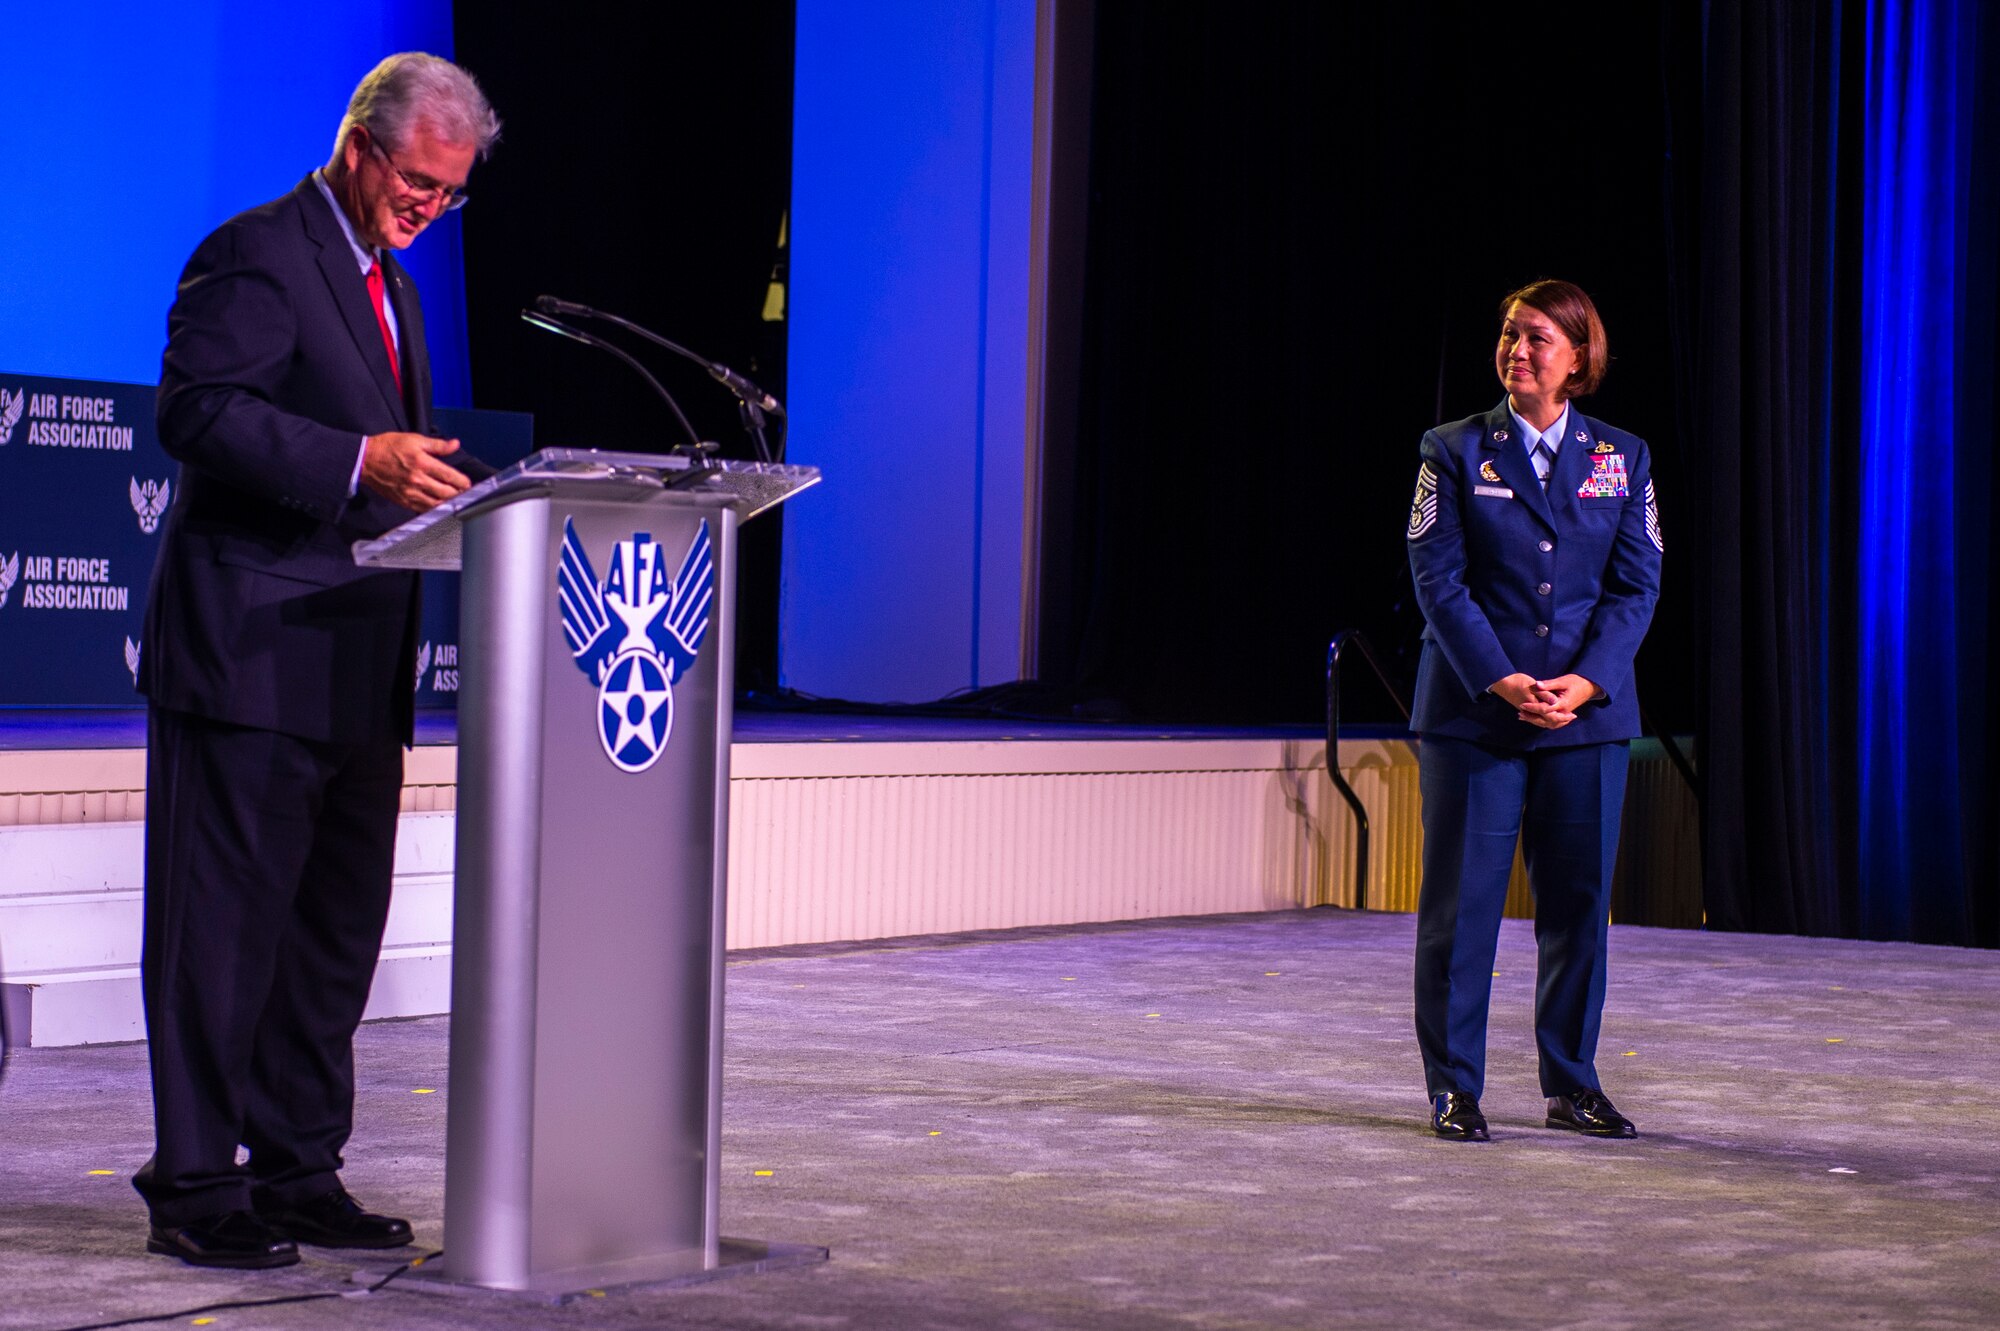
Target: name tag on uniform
(1493,491)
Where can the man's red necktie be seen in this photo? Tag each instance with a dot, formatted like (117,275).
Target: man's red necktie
(382,321)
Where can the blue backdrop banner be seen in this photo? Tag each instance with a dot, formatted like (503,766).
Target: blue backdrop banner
(84,485)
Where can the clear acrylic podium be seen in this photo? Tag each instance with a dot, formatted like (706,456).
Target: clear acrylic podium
(583,1128)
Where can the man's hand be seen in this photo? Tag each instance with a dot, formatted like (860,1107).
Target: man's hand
(404,469)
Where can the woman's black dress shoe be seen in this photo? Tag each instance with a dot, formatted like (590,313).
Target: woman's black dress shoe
(1591,1113)
(1456,1118)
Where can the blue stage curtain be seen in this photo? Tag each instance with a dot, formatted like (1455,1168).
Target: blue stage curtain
(1916,169)
(1839,303)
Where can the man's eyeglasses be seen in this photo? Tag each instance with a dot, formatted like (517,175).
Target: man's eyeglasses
(426,190)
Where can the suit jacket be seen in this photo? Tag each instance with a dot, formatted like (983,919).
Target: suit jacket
(1512,579)
(274,371)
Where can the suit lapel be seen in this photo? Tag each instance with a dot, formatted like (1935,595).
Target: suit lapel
(1508,453)
(350,294)
(402,293)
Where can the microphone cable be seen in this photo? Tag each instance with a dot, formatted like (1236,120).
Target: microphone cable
(232,1305)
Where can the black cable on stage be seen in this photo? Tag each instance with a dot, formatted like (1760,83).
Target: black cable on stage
(237,1304)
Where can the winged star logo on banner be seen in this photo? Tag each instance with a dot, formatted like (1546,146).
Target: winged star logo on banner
(10,569)
(149,501)
(10,412)
(635,635)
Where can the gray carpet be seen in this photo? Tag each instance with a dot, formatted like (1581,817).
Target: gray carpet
(1211,1123)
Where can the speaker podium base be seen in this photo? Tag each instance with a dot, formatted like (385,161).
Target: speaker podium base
(738,1257)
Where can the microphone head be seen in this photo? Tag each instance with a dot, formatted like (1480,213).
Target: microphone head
(548,305)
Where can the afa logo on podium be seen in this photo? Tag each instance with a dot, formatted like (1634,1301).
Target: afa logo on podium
(635,635)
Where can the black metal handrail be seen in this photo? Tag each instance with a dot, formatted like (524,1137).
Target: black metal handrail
(1674,755)
(1360,641)
(1333,650)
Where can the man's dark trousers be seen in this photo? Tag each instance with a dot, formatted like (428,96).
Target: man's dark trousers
(268,864)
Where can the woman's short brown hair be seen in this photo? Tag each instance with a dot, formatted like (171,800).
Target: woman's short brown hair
(1566,304)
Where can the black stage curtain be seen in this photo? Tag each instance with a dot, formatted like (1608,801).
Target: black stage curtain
(1759,293)
(1978,430)
(644,168)
(1299,225)
(1301,220)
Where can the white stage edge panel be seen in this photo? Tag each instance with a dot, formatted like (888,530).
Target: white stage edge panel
(837,841)
(847,841)
(70,906)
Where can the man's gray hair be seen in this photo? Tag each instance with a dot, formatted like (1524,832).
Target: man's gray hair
(411,89)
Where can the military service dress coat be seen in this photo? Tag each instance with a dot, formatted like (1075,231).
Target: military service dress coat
(1513,579)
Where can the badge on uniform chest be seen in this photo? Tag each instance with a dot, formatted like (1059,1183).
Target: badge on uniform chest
(1607,479)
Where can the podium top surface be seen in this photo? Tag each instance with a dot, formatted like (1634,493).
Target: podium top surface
(430,540)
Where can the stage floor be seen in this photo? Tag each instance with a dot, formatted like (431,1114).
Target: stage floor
(1209,1123)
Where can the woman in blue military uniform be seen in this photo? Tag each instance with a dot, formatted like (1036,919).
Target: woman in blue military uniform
(1535,542)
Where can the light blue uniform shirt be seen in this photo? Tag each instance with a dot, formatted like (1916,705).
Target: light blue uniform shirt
(1553,437)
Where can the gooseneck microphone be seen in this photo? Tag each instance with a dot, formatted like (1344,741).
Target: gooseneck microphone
(548,322)
(755,404)
(567,309)
(744,389)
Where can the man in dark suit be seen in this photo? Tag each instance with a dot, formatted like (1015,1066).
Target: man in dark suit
(295,392)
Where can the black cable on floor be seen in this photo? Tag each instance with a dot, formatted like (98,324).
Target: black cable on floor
(234,1304)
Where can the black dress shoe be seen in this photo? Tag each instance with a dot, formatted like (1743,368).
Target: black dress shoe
(1456,1118)
(336,1220)
(1591,1113)
(234,1239)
